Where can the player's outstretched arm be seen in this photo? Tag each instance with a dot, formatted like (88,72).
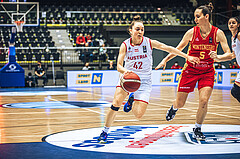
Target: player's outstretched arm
(227,53)
(156,44)
(184,42)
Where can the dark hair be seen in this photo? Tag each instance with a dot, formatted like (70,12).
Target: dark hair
(29,74)
(238,21)
(136,18)
(207,9)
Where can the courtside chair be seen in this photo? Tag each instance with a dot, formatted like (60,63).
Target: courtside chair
(59,76)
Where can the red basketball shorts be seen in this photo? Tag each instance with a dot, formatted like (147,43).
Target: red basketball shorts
(188,80)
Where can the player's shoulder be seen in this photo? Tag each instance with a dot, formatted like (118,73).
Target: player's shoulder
(219,31)
(126,41)
(220,34)
(147,39)
(123,44)
(191,30)
(189,34)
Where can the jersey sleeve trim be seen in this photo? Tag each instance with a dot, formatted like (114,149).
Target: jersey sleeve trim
(150,43)
(215,36)
(194,33)
(125,45)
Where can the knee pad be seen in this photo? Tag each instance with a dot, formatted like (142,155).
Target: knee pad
(115,108)
(235,91)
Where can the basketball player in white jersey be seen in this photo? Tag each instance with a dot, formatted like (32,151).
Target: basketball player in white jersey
(234,25)
(137,54)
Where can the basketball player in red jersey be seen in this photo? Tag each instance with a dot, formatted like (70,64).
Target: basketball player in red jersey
(204,39)
(137,54)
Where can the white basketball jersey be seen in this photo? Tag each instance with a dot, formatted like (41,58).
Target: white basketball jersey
(139,58)
(236,49)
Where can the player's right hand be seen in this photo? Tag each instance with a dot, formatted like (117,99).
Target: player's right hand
(162,64)
(233,55)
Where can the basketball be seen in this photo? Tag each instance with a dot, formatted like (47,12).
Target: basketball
(130,82)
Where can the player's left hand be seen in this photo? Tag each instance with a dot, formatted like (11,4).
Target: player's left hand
(193,59)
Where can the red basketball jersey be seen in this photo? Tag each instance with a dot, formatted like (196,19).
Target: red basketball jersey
(201,47)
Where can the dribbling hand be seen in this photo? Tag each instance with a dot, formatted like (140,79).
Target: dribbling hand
(127,71)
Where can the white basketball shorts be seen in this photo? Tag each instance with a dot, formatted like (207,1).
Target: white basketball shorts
(143,93)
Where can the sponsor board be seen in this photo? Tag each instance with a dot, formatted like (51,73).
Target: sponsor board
(83,78)
(97,78)
(83,75)
(152,139)
(218,77)
(162,80)
(93,78)
(83,81)
(232,81)
(159,77)
(233,74)
(177,76)
(167,74)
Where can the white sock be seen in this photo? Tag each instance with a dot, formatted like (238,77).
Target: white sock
(105,129)
(198,125)
(175,109)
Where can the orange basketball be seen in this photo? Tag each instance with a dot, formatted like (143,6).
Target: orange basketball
(130,82)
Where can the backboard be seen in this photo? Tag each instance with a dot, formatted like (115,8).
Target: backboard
(19,11)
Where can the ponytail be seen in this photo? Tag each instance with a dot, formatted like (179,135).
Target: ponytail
(136,18)
(207,9)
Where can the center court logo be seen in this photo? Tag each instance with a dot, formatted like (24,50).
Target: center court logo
(150,139)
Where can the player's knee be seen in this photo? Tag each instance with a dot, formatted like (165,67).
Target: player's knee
(235,91)
(179,104)
(115,108)
(117,102)
(139,116)
(203,102)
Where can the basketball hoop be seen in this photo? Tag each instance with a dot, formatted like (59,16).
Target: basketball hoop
(19,25)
